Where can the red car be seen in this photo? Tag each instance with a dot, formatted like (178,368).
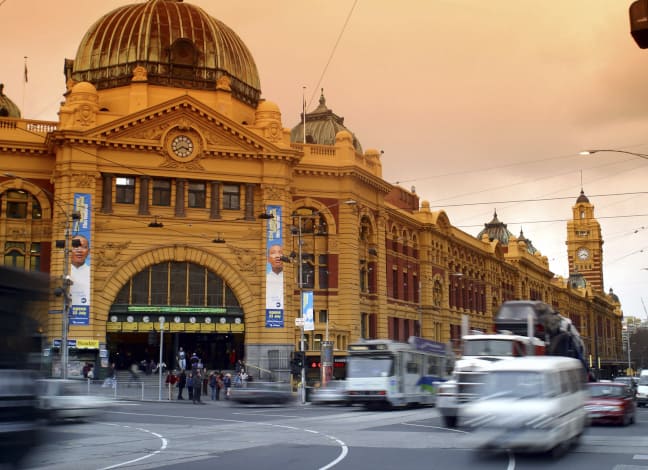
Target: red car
(611,402)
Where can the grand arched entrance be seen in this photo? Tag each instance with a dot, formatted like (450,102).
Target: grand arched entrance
(198,309)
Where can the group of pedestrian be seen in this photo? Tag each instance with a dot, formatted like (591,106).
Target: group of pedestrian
(194,377)
(197,382)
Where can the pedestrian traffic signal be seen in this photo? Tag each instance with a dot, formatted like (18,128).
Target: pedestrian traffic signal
(297,363)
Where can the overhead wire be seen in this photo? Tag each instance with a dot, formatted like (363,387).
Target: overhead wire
(330,58)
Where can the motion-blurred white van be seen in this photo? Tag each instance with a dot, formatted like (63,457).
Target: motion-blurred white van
(530,404)
(642,388)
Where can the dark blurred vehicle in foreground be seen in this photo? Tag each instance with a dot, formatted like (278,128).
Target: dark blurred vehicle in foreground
(611,403)
(333,393)
(61,400)
(20,294)
(263,393)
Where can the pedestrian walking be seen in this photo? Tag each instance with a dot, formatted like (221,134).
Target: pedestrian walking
(182,383)
(181,357)
(134,374)
(194,361)
(227,385)
(111,377)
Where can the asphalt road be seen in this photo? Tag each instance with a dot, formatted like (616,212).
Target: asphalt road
(176,435)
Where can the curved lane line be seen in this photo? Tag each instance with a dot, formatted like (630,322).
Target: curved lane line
(342,456)
(343,453)
(162,447)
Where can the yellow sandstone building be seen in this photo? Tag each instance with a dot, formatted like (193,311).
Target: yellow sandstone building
(168,163)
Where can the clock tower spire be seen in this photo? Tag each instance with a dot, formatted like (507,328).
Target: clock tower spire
(585,243)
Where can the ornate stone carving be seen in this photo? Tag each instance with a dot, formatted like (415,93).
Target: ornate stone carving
(273,132)
(216,139)
(108,254)
(152,133)
(274,193)
(246,258)
(139,74)
(83,180)
(223,83)
(169,162)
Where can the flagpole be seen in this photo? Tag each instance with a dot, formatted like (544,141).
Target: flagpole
(304,112)
(26,79)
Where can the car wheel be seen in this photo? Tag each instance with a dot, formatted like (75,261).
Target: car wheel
(450,421)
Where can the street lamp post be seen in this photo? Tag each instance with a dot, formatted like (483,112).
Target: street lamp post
(300,270)
(298,231)
(161,356)
(627,152)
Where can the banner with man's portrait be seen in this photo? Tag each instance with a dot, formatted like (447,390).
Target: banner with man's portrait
(274,269)
(80,261)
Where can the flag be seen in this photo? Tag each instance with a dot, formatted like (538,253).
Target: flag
(26,75)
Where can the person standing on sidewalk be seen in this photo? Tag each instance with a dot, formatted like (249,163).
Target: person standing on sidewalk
(190,385)
(197,386)
(170,381)
(219,384)
(213,385)
(182,383)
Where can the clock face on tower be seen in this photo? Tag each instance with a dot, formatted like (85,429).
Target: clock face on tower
(583,254)
(182,146)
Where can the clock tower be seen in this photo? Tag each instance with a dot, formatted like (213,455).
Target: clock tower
(585,244)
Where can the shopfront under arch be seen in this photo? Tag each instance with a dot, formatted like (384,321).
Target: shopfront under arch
(198,308)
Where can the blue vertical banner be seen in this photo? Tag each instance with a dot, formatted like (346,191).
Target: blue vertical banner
(307,310)
(274,269)
(80,261)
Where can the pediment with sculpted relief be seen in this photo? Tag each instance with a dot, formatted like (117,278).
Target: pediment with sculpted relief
(151,126)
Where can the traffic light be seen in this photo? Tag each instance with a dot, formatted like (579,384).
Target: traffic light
(297,363)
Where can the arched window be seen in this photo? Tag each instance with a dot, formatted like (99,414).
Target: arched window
(175,283)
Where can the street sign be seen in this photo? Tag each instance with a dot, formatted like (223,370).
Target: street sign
(299,321)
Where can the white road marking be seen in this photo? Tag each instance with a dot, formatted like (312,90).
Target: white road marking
(343,453)
(435,427)
(151,454)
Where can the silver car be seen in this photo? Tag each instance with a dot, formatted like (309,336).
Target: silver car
(69,400)
(333,393)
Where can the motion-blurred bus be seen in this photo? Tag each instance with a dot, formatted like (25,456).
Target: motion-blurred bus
(386,373)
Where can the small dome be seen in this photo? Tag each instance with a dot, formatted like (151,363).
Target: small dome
(529,245)
(322,127)
(84,87)
(577,281)
(7,107)
(615,298)
(582,197)
(178,44)
(496,230)
(268,106)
